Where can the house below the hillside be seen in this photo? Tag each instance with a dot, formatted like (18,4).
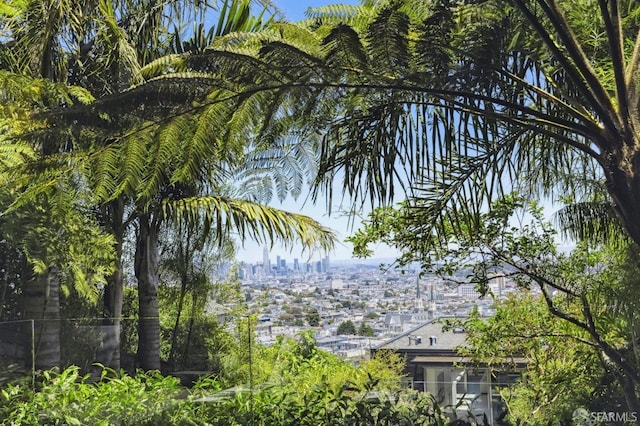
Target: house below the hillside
(433,365)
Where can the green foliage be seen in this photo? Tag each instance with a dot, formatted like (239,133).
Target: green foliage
(68,398)
(313,317)
(307,387)
(191,303)
(575,330)
(346,327)
(349,405)
(562,372)
(158,160)
(365,330)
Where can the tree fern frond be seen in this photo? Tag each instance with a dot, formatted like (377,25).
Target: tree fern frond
(258,187)
(165,64)
(288,164)
(131,170)
(356,16)
(104,171)
(203,147)
(242,43)
(337,12)
(344,49)
(433,49)
(114,36)
(12,156)
(157,98)
(298,63)
(387,41)
(241,125)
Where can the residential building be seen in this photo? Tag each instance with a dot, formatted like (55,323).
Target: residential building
(433,365)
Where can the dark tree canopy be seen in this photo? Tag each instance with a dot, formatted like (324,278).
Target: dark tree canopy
(455,103)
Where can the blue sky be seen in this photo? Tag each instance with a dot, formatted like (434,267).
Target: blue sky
(294,10)
(252,252)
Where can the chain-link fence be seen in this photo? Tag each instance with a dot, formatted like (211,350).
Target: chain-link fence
(30,345)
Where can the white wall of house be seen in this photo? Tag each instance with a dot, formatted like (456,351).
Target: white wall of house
(466,392)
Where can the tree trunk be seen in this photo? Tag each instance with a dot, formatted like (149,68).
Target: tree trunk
(113,294)
(176,325)
(192,321)
(146,270)
(622,171)
(42,305)
(109,355)
(630,396)
(183,253)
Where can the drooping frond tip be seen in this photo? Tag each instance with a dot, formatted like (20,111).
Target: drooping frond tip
(249,220)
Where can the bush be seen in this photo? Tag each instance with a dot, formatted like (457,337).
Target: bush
(349,405)
(68,398)
(294,383)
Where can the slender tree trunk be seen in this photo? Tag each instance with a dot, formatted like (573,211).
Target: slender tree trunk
(42,304)
(5,285)
(113,299)
(184,254)
(146,270)
(192,321)
(114,291)
(176,325)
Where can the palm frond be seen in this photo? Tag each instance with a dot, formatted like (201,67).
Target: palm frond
(590,221)
(249,220)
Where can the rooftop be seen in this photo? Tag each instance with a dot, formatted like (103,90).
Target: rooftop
(427,336)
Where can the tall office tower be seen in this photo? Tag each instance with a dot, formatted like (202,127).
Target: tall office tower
(418,305)
(433,309)
(296,265)
(278,270)
(266,263)
(325,264)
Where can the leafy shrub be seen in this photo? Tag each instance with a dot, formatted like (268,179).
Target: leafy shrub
(68,398)
(322,405)
(294,383)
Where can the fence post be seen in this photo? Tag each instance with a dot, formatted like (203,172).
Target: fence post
(33,353)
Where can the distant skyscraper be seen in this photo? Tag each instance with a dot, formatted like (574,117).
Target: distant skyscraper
(325,264)
(296,265)
(266,263)
(418,305)
(433,309)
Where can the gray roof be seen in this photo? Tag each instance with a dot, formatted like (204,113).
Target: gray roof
(419,338)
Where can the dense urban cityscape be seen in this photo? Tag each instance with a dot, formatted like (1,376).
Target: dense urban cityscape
(380,301)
